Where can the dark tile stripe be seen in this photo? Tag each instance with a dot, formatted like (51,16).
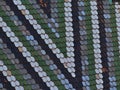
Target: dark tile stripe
(5,82)
(77,44)
(103,45)
(23,61)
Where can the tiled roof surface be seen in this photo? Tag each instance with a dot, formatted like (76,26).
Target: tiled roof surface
(59,45)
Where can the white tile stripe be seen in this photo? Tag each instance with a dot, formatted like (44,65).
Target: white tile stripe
(14,83)
(48,41)
(117,14)
(96,45)
(69,29)
(69,33)
(26,54)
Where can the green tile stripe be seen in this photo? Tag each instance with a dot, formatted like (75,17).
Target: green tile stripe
(33,52)
(115,45)
(61,21)
(47,29)
(14,71)
(90,52)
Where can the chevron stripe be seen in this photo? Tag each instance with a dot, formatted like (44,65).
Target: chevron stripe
(30,36)
(36,47)
(51,45)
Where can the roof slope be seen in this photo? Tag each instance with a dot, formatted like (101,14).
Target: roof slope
(59,45)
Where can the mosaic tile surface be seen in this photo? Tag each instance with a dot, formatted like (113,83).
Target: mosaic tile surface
(59,45)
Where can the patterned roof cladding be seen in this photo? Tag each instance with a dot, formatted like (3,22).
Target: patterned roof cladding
(59,45)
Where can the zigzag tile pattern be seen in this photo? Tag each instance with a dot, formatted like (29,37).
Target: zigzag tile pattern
(59,45)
